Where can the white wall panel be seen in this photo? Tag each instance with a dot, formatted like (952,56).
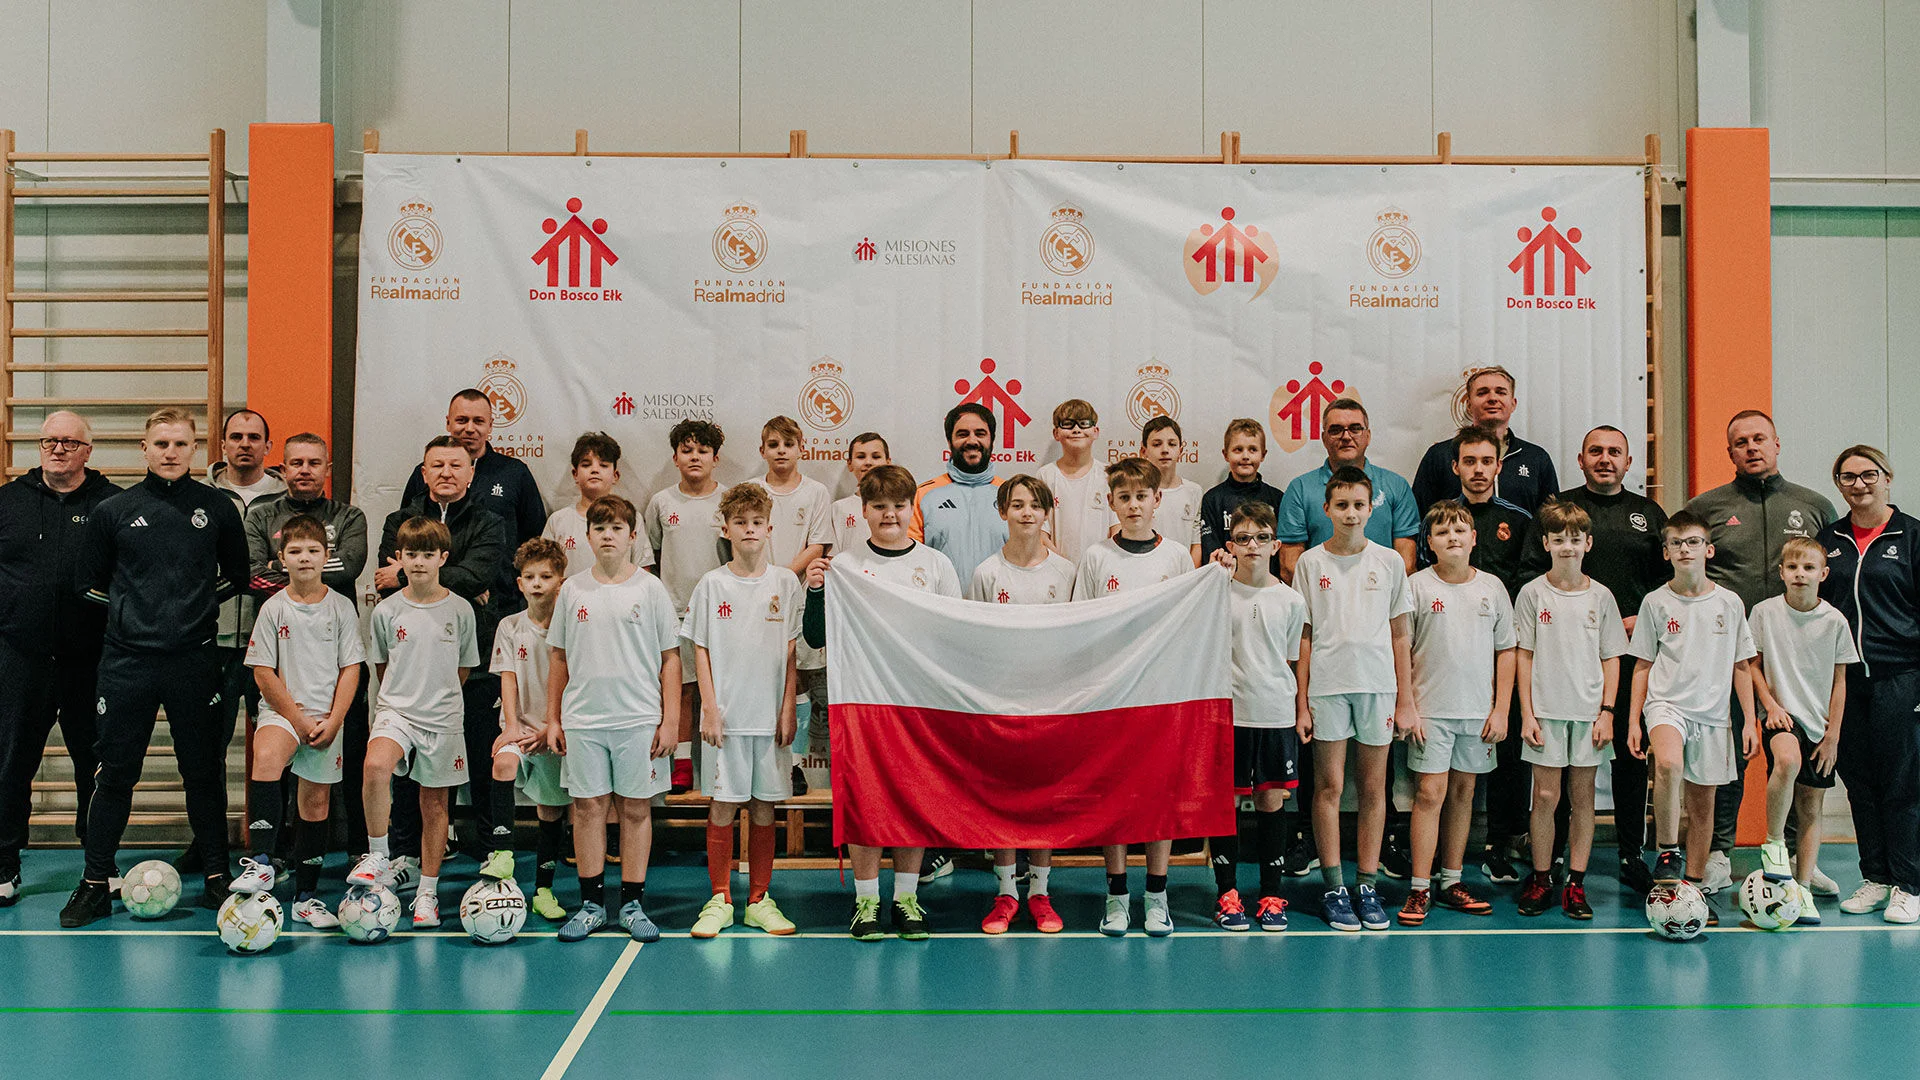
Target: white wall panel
(1819,76)
(23,71)
(1903,351)
(1903,87)
(429,74)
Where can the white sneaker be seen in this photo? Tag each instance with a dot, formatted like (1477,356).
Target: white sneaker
(1817,882)
(1159,921)
(405,875)
(1774,862)
(1719,873)
(372,869)
(426,911)
(313,911)
(1870,896)
(255,877)
(1114,923)
(1902,907)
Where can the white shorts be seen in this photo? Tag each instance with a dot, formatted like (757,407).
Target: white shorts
(1367,718)
(1452,745)
(539,777)
(614,761)
(747,767)
(1569,744)
(1711,756)
(314,764)
(432,759)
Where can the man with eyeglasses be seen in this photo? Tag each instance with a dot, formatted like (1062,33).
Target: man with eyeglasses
(1749,520)
(49,636)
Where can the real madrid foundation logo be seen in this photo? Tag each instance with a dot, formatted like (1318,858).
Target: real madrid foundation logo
(1067,245)
(1393,249)
(826,401)
(414,241)
(503,388)
(1153,395)
(740,244)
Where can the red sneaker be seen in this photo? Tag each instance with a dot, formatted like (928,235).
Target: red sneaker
(1045,919)
(1000,916)
(682,775)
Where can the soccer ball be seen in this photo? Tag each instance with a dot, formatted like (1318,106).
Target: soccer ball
(150,889)
(369,915)
(1770,904)
(249,922)
(1677,912)
(493,912)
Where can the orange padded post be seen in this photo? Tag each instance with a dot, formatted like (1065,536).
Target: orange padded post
(290,277)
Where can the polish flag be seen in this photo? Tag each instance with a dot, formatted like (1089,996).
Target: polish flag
(970,725)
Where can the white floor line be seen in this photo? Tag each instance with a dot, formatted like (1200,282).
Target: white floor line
(591,1016)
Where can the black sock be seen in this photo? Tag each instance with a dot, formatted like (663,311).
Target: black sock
(267,802)
(309,849)
(1156,883)
(547,854)
(1271,834)
(1226,859)
(593,888)
(1576,877)
(632,892)
(1117,884)
(500,799)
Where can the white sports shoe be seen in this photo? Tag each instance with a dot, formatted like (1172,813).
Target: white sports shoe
(405,874)
(1902,907)
(1870,896)
(255,877)
(1114,924)
(1719,873)
(313,911)
(1159,922)
(426,911)
(372,869)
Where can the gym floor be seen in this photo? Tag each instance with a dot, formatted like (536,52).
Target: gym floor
(1606,998)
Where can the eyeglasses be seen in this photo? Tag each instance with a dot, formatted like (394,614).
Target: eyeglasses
(1337,430)
(68,445)
(1076,425)
(1845,479)
(1687,543)
(1244,539)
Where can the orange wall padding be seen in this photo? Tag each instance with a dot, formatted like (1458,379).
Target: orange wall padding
(290,278)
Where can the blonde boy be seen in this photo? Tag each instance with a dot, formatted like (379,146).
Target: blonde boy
(521,758)
(803,530)
(1081,516)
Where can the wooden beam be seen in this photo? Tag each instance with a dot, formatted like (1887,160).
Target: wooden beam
(797,143)
(216,286)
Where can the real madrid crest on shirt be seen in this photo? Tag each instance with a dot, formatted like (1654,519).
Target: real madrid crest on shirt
(919,574)
(636,613)
(1638,521)
(773,608)
(1720,622)
(1373,579)
(199,518)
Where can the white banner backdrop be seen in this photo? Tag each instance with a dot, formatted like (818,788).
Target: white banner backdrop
(623,294)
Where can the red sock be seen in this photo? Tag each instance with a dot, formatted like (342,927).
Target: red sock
(759,860)
(720,859)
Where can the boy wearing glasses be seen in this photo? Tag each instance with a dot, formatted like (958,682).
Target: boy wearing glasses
(1081,517)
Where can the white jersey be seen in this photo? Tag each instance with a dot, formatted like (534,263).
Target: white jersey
(997,581)
(1081,515)
(1798,652)
(614,636)
(1107,568)
(520,647)
(1693,642)
(1570,634)
(849,524)
(918,567)
(684,534)
(1352,601)
(1178,518)
(801,517)
(567,527)
(1457,629)
(307,644)
(424,647)
(745,624)
(1267,622)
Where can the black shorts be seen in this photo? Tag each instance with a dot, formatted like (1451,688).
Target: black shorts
(1808,777)
(1264,759)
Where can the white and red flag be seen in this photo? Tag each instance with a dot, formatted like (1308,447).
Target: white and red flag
(960,724)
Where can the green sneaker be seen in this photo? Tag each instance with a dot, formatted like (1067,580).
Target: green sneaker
(499,866)
(1774,862)
(766,915)
(547,906)
(866,919)
(715,916)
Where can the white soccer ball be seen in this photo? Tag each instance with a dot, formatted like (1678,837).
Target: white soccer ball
(368,915)
(1677,912)
(493,911)
(150,889)
(1770,904)
(249,922)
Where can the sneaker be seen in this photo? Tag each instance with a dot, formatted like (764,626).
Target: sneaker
(715,915)
(1045,919)
(1394,860)
(1537,897)
(1719,873)
(1498,868)
(1336,906)
(372,869)
(1373,916)
(764,914)
(1456,897)
(682,776)
(1231,914)
(1819,883)
(938,866)
(1414,911)
(1774,862)
(547,906)
(189,861)
(1869,897)
(1573,901)
(1159,920)
(426,911)
(866,919)
(88,902)
(1670,867)
(1119,914)
(1000,915)
(1809,915)
(404,874)
(1902,907)
(313,911)
(113,886)
(799,781)
(588,919)
(256,875)
(214,891)
(635,922)
(1634,874)
(10,889)
(909,918)
(498,866)
(1271,914)
(1301,858)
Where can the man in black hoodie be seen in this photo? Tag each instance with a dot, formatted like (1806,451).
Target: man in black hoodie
(161,556)
(49,637)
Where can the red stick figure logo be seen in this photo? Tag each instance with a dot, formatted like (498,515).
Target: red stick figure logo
(725,610)
(623,404)
(1546,249)
(996,398)
(580,615)
(1673,625)
(1326,583)
(285,633)
(1296,408)
(1439,606)
(573,236)
(1546,617)
(1003,597)
(864,251)
(1113,583)
(399,633)
(1228,254)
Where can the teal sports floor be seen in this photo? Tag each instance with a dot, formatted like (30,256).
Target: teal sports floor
(1461,997)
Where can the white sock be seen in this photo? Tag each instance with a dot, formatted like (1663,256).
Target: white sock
(1005,876)
(1156,897)
(905,885)
(379,845)
(684,751)
(429,885)
(1037,886)
(1421,883)
(1449,878)
(867,887)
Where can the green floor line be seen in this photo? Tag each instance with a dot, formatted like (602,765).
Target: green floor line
(14,1010)
(1278,1010)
